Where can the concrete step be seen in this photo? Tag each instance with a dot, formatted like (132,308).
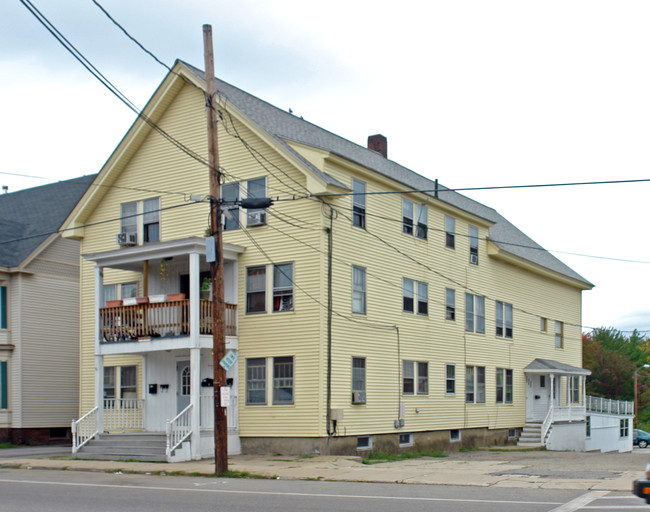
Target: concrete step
(131,446)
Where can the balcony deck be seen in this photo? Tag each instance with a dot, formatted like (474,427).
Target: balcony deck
(149,321)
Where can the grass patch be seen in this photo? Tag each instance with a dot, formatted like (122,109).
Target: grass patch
(539,449)
(379,457)
(317,479)
(281,460)
(469,449)
(4,446)
(307,456)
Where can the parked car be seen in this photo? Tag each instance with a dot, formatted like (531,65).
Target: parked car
(641,486)
(641,438)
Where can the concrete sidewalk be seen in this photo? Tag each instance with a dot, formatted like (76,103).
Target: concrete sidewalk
(515,469)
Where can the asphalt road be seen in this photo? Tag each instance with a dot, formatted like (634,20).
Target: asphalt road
(69,491)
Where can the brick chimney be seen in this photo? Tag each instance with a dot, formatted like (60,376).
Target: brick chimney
(379,144)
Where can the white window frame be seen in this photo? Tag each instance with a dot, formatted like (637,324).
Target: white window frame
(624,428)
(256,373)
(450,232)
(474,313)
(150,217)
(358,203)
(559,334)
(450,379)
(136,216)
(250,291)
(231,211)
(255,216)
(450,304)
(359,379)
(475,384)
(416,373)
(405,439)
(414,219)
(504,320)
(415,294)
(283,380)
(504,386)
(284,293)
(359,293)
(473,245)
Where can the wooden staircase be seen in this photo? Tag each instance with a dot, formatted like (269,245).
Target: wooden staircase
(141,446)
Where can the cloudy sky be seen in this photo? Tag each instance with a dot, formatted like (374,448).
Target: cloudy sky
(475,93)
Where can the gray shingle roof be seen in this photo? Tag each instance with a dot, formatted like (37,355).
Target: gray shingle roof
(550,366)
(29,216)
(283,126)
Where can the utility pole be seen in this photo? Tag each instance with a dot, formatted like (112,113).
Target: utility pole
(216,267)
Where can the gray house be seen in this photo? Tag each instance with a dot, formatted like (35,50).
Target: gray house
(39,313)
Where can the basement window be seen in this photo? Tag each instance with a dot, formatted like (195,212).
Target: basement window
(364,443)
(406,439)
(454,435)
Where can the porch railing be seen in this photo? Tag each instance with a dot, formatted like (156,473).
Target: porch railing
(207,413)
(608,406)
(122,414)
(159,319)
(179,429)
(546,424)
(84,429)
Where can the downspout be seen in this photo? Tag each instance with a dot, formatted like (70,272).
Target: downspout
(330,242)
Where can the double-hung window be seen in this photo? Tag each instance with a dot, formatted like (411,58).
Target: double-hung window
(256,381)
(473,245)
(414,219)
(575,389)
(4,392)
(230,197)
(358,203)
(559,334)
(450,232)
(256,189)
(625,427)
(256,289)
(282,380)
(503,319)
(450,379)
(358,380)
(450,304)
(151,219)
(128,382)
(475,384)
(109,382)
(283,287)
(358,290)
(504,386)
(474,313)
(415,376)
(129,218)
(3,307)
(415,293)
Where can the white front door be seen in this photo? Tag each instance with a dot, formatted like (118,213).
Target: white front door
(183,388)
(538,388)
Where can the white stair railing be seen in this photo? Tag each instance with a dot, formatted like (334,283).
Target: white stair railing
(84,429)
(122,414)
(179,429)
(546,425)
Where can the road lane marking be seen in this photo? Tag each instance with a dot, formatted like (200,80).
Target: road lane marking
(272,493)
(580,501)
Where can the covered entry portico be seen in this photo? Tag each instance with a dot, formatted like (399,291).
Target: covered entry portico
(555,392)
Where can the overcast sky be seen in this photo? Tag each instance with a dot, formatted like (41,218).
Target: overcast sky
(474,93)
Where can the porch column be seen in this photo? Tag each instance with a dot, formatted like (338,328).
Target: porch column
(195,400)
(195,355)
(552,390)
(99,359)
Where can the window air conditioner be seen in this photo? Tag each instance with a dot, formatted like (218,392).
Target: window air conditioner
(256,218)
(126,239)
(473,258)
(358,397)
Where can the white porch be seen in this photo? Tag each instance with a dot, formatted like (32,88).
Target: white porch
(173,339)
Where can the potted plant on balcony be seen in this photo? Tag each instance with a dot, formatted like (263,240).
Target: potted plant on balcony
(206,286)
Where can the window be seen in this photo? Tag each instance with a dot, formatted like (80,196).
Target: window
(283,287)
(256,189)
(475,384)
(474,313)
(543,324)
(504,319)
(559,334)
(574,386)
(364,442)
(450,379)
(406,439)
(129,219)
(3,307)
(358,290)
(151,219)
(109,382)
(128,382)
(358,204)
(256,289)
(588,426)
(542,381)
(625,427)
(282,380)
(473,245)
(450,232)
(128,290)
(450,304)
(256,381)
(186,381)
(410,297)
(504,386)
(415,375)
(4,392)
(230,196)
(358,380)
(414,219)
(454,435)
(109,292)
